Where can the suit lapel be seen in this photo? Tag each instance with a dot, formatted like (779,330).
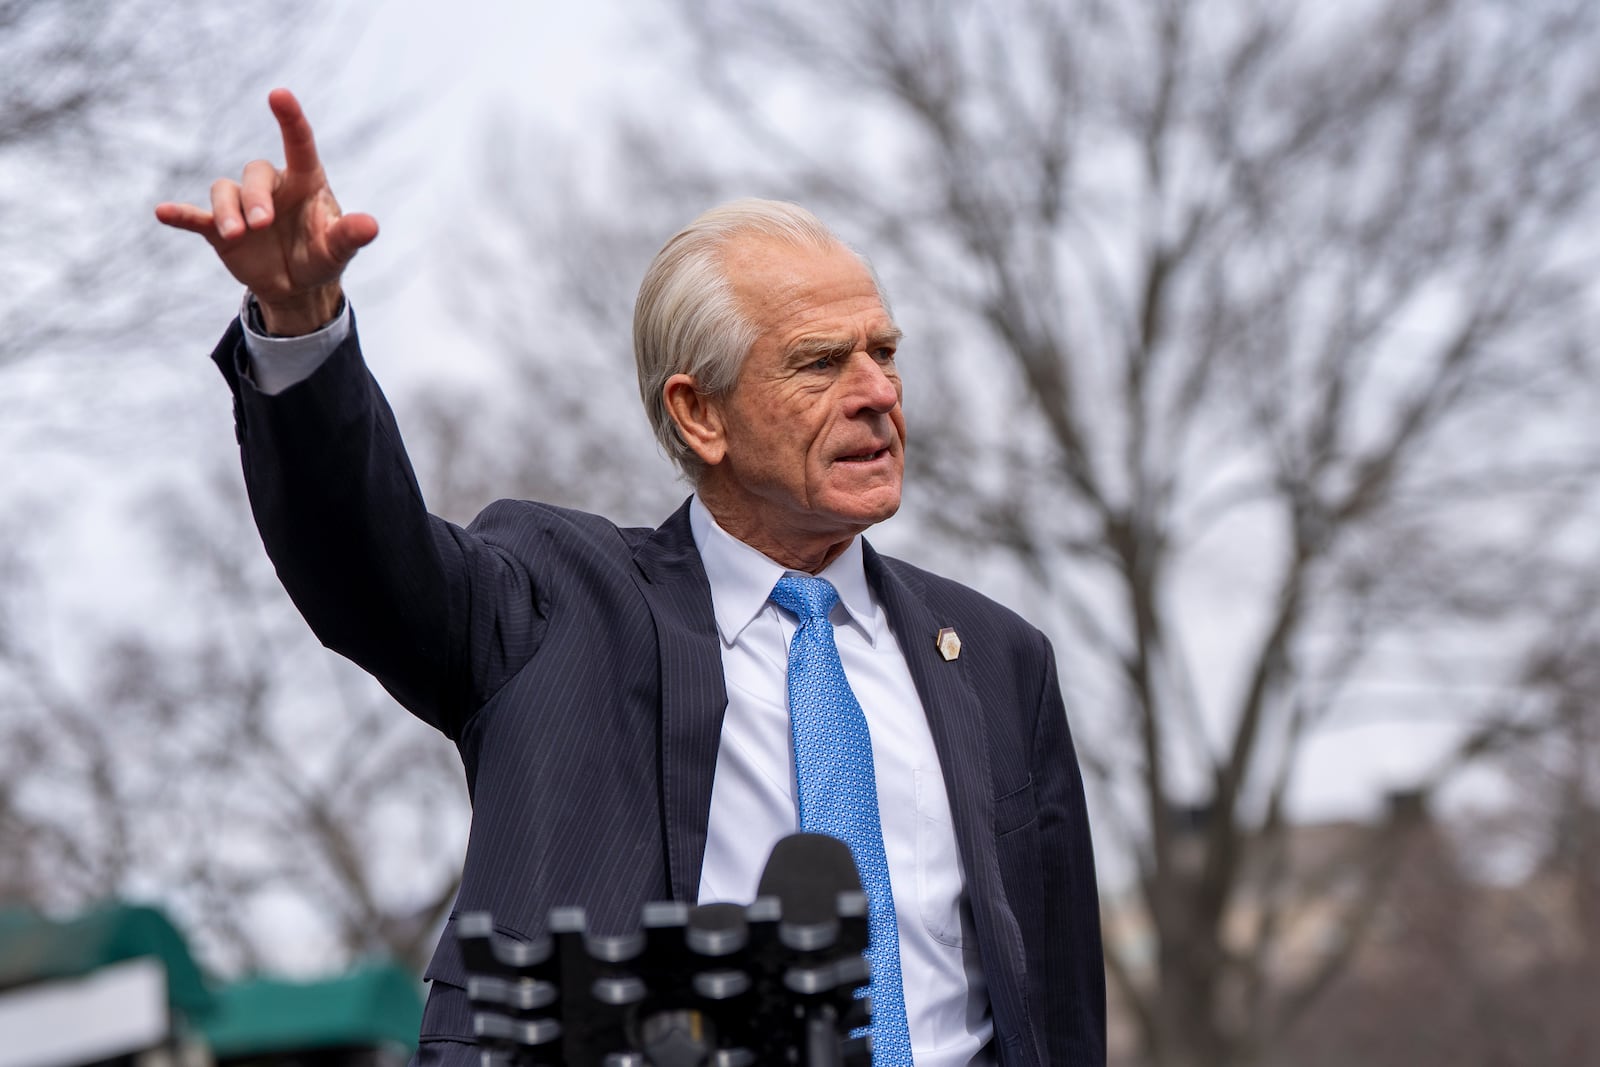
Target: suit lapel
(957,720)
(693,697)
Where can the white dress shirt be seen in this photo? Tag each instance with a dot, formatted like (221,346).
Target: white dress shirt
(753,793)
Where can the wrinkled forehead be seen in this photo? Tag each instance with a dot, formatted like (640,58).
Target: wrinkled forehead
(775,280)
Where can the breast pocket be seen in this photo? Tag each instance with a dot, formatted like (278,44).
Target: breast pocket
(940,886)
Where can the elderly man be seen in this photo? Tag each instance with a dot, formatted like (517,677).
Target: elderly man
(643,713)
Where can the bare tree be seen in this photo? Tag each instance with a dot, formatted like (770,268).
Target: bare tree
(105,110)
(225,762)
(1251,340)
(205,752)
(553,291)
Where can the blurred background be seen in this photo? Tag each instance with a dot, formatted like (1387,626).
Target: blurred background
(1250,354)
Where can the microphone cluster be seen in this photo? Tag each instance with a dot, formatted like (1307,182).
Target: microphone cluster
(779,981)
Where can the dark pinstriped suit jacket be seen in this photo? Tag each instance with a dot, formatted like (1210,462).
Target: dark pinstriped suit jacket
(577,667)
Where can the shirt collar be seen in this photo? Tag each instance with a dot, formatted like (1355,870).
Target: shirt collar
(742,578)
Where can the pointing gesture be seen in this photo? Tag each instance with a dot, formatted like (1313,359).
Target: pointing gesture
(280,232)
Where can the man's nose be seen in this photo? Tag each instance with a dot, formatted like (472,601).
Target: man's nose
(870,385)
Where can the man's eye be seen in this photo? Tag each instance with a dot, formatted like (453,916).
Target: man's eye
(822,363)
(884,355)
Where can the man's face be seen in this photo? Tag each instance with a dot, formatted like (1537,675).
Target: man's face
(813,446)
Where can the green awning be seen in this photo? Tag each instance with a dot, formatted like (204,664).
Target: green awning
(375,1005)
(372,1006)
(34,948)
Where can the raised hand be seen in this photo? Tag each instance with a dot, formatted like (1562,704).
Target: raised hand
(280,232)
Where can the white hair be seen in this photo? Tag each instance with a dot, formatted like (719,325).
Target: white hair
(687,320)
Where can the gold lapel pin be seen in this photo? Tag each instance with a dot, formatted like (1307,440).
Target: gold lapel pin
(949,643)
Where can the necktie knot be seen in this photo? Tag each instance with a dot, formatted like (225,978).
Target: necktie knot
(805,597)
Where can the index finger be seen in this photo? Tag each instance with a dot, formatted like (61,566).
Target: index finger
(299,146)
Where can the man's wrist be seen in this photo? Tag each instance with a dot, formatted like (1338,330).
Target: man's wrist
(273,364)
(295,318)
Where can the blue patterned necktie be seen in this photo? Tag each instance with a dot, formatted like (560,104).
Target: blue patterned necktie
(839,793)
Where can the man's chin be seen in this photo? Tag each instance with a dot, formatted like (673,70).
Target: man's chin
(864,510)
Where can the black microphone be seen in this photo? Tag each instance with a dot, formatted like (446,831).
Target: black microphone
(807,872)
(823,926)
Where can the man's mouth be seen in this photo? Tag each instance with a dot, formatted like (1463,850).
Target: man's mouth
(864,457)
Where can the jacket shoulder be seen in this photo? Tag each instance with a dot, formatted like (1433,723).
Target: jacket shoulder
(553,522)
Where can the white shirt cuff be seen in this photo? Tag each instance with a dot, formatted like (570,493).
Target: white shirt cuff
(276,363)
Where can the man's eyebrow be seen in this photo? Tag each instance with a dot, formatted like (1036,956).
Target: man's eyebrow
(809,348)
(885,338)
(840,347)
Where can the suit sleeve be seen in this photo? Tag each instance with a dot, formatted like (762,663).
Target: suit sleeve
(438,614)
(1074,964)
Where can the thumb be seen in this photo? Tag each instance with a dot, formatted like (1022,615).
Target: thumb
(349,234)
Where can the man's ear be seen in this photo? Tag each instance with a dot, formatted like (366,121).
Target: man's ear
(698,417)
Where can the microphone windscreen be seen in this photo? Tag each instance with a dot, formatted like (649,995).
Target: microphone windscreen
(807,872)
